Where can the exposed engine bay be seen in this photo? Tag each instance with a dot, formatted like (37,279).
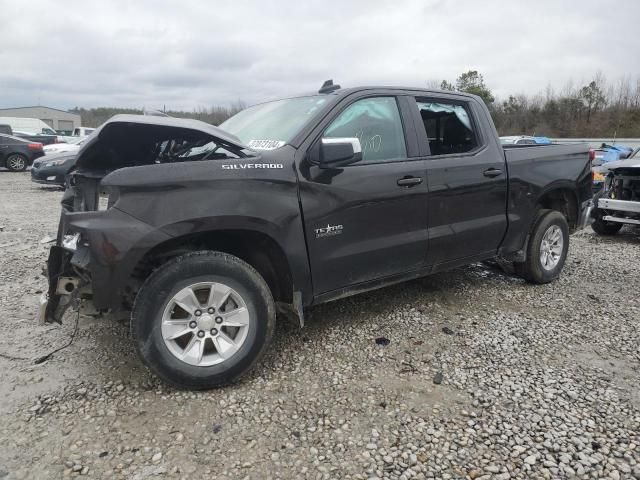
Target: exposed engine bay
(624,184)
(618,202)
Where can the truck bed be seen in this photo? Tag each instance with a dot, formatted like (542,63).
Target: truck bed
(535,169)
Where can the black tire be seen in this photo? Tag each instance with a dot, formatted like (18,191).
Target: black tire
(604,228)
(158,289)
(532,269)
(16,162)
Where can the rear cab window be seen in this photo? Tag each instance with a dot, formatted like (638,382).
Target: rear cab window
(448,125)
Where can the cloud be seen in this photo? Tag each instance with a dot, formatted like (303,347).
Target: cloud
(190,53)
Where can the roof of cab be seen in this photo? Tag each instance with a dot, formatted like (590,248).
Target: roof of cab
(349,90)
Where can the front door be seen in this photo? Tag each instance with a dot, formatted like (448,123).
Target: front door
(365,221)
(467,180)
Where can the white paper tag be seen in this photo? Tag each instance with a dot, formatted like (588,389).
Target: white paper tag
(265,144)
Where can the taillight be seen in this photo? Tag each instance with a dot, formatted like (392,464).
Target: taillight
(35,146)
(592,154)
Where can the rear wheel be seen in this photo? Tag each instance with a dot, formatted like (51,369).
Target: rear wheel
(203,319)
(547,248)
(16,162)
(602,227)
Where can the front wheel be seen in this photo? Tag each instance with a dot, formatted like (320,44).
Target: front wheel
(202,320)
(16,162)
(547,248)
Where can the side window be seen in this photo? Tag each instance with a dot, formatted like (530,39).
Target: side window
(376,123)
(448,126)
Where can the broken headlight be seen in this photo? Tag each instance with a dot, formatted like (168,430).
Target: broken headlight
(70,242)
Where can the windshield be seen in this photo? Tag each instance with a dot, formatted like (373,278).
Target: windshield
(271,125)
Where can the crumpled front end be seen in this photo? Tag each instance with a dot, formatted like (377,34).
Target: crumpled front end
(619,199)
(99,244)
(96,248)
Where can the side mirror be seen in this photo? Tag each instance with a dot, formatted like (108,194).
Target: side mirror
(338,152)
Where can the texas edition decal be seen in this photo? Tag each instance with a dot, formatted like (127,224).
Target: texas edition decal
(328,231)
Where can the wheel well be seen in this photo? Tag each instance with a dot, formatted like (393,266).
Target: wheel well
(257,249)
(564,201)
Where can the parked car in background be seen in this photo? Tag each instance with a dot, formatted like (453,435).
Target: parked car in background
(32,126)
(524,140)
(205,230)
(16,154)
(43,139)
(53,169)
(82,131)
(618,201)
(69,147)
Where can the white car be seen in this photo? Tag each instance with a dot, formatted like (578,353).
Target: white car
(70,147)
(82,131)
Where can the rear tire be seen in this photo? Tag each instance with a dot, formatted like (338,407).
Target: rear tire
(547,248)
(16,162)
(186,333)
(604,228)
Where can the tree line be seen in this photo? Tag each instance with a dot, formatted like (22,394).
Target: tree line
(215,115)
(595,109)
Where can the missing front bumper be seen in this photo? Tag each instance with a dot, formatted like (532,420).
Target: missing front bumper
(65,286)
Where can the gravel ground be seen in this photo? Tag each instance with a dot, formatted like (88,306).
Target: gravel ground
(465,374)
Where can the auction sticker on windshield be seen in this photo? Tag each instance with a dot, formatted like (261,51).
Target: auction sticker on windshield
(265,144)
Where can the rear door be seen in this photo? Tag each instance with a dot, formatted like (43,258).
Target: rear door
(466,177)
(365,221)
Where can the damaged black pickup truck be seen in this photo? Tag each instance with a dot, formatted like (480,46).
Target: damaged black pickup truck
(203,233)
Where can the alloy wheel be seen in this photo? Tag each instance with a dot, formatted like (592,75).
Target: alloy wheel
(551,247)
(16,162)
(205,324)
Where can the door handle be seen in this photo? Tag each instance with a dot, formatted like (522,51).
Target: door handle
(409,181)
(492,172)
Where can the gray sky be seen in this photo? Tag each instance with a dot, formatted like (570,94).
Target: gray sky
(187,54)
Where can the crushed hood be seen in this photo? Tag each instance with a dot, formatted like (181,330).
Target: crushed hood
(609,166)
(130,140)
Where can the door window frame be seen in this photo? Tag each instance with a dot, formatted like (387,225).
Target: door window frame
(421,131)
(412,149)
